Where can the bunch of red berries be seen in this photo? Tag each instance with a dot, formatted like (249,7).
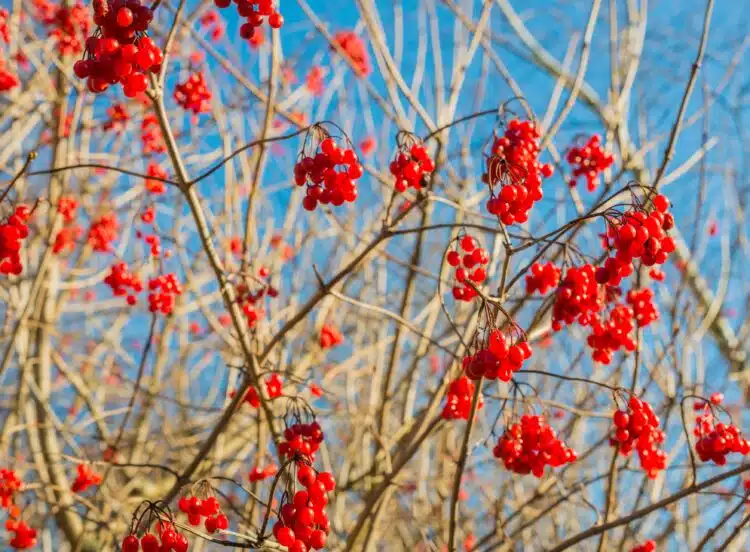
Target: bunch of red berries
(67,207)
(648,546)
(251,397)
(578,297)
(103,232)
(612,334)
(24,536)
(301,440)
(121,52)
(715,441)
(644,309)
(8,79)
(9,485)
(355,49)
(168,540)
(258,474)
(152,185)
(638,235)
(330,336)
(4,27)
(529,446)
(303,523)
(12,232)
(208,508)
(411,166)
(543,277)
(163,291)
(120,279)
(513,165)
(68,25)
(254,11)
(458,399)
(249,300)
(469,266)
(638,427)
(194,94)
(495,360)
(325,183)
(211,20)
(152,138)
(589,161)
(85,478)
(118,117)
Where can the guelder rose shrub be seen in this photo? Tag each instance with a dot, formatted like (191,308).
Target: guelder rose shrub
(314,276)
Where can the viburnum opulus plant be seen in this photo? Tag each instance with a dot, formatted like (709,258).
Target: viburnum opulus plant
(470,352)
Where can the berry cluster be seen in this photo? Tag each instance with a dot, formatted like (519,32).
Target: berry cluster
(330,337)
(648,546)
(194,94)
(578,297)
(254,11)
(10,483)
(469,266)
(8,80)
(163,291)
(513,165)
(644,309)
(12,232)
(529,446)
(118,117)
(326,184)
(458,399)
(208,508)
(301,440)
(155,186)
(411,166)
(168,540)
(123,282)
(258,474)
(612,334)
(543,277)
(303,523)
(715,441)
(638,235)
(495,360)
(314,81)
(212,20)
(152,138)
(249,300)
(68,235)
(589,161)
(103,232)
(4,27)
(85,478)
(24,536)
(356,51)
(120,52)
(68,25)
(638,427)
